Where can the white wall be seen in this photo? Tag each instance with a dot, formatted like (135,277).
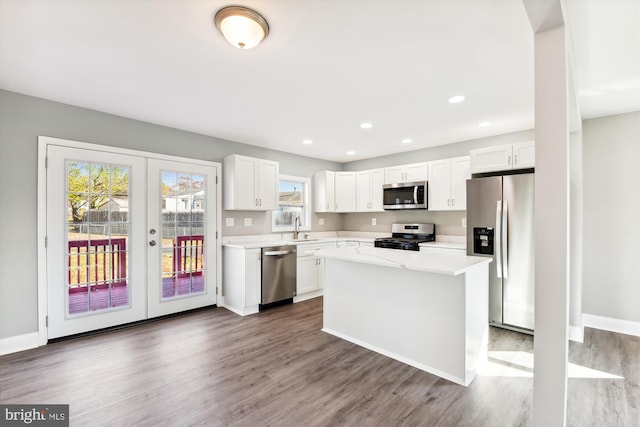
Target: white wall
(611,275)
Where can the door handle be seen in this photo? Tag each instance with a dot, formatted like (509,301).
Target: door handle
(152,243)
(275,253)
(503,238)
(498,239)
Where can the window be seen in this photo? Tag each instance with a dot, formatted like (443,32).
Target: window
(293,201)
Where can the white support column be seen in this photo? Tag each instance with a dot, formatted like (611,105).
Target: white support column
(576,329)
(552,228)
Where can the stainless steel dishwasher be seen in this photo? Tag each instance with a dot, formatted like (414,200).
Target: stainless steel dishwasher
(278,275)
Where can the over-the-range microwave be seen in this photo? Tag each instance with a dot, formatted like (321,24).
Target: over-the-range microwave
(405,195)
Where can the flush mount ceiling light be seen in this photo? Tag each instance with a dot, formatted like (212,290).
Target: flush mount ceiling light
(407,141)
(242,27)
(366,125)
(484,124)
(307,142)
(456,99)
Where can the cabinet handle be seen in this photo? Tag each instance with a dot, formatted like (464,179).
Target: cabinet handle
(515,159)
(509,160)
(453,202)
(257,202)
(327,205)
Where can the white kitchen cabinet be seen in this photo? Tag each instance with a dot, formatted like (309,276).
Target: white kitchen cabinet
(250,184)
(242,275)
(345,191)
(524,155)
(369,190)
(448,184)
(310,270)
(406,173)
(306,279)
(324,191)
(503,157)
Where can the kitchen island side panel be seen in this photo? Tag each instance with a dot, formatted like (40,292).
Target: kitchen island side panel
(419,318)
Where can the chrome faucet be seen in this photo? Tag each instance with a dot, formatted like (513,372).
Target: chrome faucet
(296,228)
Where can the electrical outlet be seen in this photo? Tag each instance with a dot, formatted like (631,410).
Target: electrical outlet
(247,222)
(321,221)
(373,221)
(230,222)
(464,222)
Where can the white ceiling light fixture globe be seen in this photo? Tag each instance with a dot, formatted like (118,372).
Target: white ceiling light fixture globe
(242,27)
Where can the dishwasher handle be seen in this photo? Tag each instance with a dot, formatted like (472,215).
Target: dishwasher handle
(276,253)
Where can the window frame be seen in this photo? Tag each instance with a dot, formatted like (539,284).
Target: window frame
(306,203)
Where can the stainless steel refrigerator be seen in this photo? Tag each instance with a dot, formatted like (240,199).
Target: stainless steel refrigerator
(500,222)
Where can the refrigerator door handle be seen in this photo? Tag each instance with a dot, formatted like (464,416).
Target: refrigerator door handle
(498,235)
(503,240)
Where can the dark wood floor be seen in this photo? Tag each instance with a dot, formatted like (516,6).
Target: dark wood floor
(277,368)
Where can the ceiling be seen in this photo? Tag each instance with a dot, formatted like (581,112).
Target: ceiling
(326,67)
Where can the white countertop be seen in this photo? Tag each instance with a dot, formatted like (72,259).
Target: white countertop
(444,245)
(439,263)
(266,240)
(311,241)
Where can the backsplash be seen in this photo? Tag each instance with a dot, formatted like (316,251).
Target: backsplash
(447,222)
(261,223)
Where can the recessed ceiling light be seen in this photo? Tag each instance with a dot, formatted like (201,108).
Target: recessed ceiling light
(456,99)
(307,142)
(350,153)
(407,141)
(366,125)
(484,124)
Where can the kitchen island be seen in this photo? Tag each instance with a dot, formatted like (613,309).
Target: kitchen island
(427,310)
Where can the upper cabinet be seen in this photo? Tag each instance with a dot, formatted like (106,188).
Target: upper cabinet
(448,184)
(524,155)
(345,191)
(250,184)
(406,173)
(503,157)
(324,191)
(369,190)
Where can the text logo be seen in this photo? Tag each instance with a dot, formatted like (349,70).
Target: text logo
(35,415)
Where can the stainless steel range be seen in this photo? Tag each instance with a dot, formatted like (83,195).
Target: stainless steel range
(407,236)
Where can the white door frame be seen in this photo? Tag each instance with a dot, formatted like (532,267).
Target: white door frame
(43,142)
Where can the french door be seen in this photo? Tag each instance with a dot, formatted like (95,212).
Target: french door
(129,237)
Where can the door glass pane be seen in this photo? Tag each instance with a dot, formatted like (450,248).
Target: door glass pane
(183,228)
(97,237)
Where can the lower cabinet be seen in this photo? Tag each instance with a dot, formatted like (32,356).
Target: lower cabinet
(310,276)
(242,275)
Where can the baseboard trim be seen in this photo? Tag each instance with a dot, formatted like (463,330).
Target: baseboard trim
(19,343)
(576,333)
(610,324)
